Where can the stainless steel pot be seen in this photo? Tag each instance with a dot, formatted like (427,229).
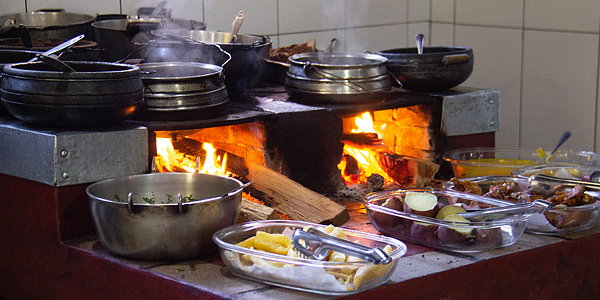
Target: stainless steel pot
(96,94)
(436,69)
(248,54)
(153,224)
(120,37)
(182,91)
(337,78)
(46,25)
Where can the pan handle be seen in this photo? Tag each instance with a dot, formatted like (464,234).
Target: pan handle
(455,59)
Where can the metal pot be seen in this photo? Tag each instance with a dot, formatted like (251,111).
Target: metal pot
(120,37)
(337,78)
(248,54)
(182,90)
(153,224)
(96,94)
(438,68)
(47,25)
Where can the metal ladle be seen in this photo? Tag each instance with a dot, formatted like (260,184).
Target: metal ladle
(420,38)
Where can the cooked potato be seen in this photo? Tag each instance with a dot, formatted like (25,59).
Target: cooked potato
(386,221)
(454,234)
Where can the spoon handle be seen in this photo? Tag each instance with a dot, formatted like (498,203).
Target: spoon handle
(420,37)
(563,138)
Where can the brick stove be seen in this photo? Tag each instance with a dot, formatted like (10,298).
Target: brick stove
(44,172)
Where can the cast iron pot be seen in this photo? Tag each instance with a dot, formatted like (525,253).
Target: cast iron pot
(119,38)
(341,78)
(182,91)
(153,224)
(437,69)
(11,56)
(46,25)
(96,94)
(242,72)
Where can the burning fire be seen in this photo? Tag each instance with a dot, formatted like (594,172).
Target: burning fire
(170,161)
(364,154)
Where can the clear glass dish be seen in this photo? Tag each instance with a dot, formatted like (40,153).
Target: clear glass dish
(474,162)
(437,233)
(302,274)
(557,221)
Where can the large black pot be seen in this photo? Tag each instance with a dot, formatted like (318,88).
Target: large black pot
(248,54)
(437,69)
(83,50)
(97,94)
(11,56)
(120,37)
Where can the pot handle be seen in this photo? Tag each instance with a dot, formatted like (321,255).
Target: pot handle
(130,202)
(180,203)
(455,59)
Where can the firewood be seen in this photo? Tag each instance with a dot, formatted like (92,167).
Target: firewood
(252,211)
(408,171)
(287,196)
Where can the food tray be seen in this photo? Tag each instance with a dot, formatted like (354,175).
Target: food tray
(566,219)
(428,230)
(299,273)
(473,162)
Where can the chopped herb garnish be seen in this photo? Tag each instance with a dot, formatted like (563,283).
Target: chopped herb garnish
(189,198)
(179,269)
(169,199)
(117,198)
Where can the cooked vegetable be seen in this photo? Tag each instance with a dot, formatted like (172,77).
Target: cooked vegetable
(449,210)
(424,232)
(423,204)
(489,236)
(386,221)
(454,234)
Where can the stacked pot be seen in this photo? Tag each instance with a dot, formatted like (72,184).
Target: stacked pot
(337,78)
(183,90)
(94,94)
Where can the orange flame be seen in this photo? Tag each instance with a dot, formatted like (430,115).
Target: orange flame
(365,156)
(168,158)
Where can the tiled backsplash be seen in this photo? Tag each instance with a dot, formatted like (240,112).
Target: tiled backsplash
(543,55)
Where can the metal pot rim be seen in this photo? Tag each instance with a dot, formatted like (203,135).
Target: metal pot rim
(121,70)
(206,70)
(89,189)
(370,59)
(81,19)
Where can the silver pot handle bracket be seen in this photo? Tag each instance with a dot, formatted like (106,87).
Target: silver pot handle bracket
(353,85)
(455,59)
(180,203)
(130,202)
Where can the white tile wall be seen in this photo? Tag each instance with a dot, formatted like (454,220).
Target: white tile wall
(497,55)
(490,12)
(575,15)
(311,15)
(359,40)
(441,34)
(559,88)
(378,12)
(442,11)
(260,16)
(419,11)
(542,54)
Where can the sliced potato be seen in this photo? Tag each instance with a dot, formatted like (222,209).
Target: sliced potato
(423,204)
(449,210)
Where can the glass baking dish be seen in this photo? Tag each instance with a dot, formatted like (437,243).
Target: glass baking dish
(560,219)
(442,234)
(309,275)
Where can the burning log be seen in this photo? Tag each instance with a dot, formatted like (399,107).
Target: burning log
(363,139)
(252,211)
(408,171)
(287,196)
